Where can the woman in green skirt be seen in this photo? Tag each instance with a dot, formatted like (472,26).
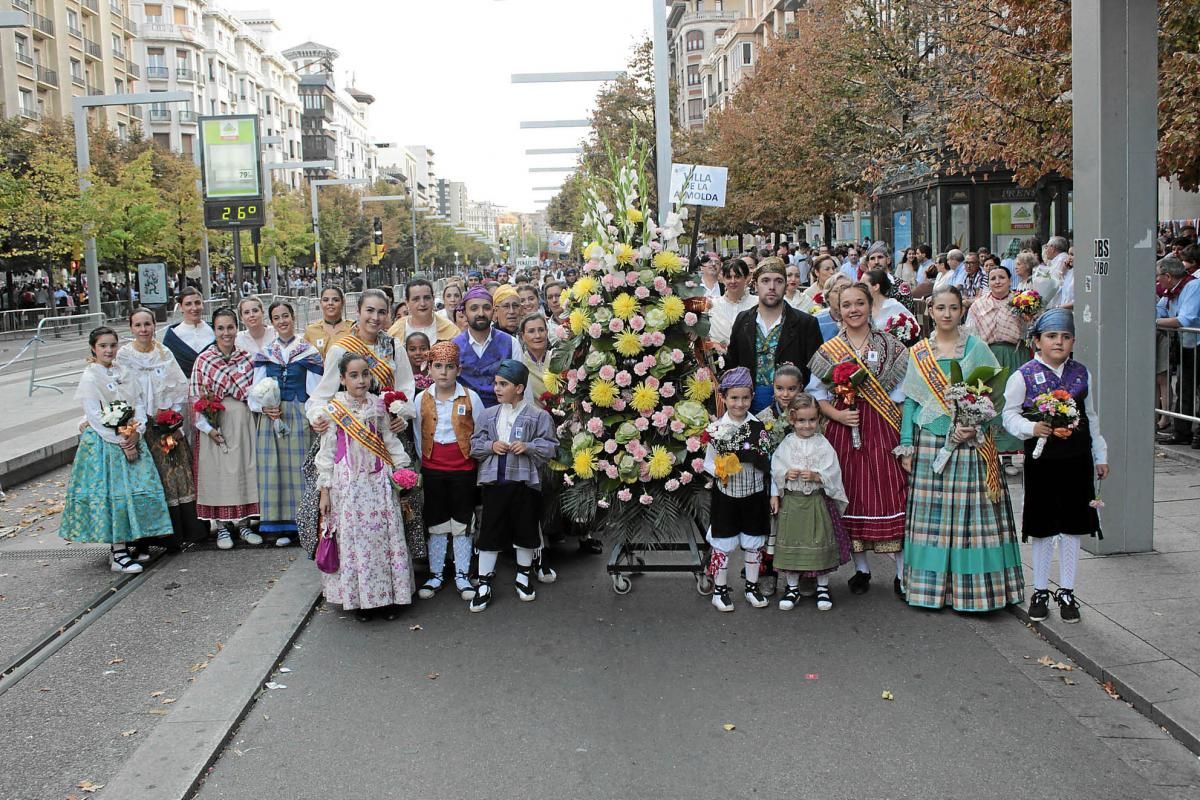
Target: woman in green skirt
(1003,332)
(960,541)
(114,494)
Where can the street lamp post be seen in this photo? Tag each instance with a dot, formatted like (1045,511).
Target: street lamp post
(662,109)
(83,160)
(313,186)
(268,195)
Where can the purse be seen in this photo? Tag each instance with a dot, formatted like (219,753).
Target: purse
(326,556)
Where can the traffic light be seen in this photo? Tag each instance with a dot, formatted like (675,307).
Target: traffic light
(378,249)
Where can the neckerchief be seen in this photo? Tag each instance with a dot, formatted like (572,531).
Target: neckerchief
(218,376)
(926,363)
(871,389)
(344,419)
(380,370)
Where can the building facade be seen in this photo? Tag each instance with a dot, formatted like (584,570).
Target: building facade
(70,48)
(693,27)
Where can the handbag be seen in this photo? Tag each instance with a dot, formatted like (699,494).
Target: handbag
(326,556)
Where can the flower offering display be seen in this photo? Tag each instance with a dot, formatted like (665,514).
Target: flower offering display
(904,327)
(845,380)
(167,423)
(1026,304)
(625,384)
(970,404)
(1059,410)
(266,394)
(733,443)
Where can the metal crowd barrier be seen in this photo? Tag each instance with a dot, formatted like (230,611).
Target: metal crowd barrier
(1176,394)
(78,324)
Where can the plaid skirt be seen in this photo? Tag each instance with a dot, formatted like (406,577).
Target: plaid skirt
(280,463)
(960,549)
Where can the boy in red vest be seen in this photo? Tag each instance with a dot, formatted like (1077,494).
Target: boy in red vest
(445,420)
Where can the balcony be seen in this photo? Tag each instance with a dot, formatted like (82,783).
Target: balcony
(94,91)
(91,5)
(24,58)
(41,24)
(23,5)
(189,117)
(47,76)
(134,111)
(78,81)
(119,52)
(160,115)
(130,26)
(133,69)
(185,74)
(92,49)
(78,34)
(170,32)
(157,72)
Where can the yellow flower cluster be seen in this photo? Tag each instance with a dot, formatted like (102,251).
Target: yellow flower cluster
(635,216)
(584,464)
(673,309)
(668,262)
(583,287)
(660,463)
(697,389)
(603,393)
(644,398)
(579,321)
(628,344)
(552,383)
(624,306)
(625,254)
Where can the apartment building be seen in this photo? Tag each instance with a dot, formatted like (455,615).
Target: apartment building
(452,200)
(481,217)
(426,178)
(693,27)
(70,48)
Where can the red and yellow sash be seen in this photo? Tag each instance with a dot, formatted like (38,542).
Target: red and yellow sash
(360,433)
(380,370)
(926,363)
(871,389)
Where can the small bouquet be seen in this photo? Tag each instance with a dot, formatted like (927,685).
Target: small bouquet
(1025,304)
(211,408)
(167,423)
(423,381)
(405,480)
(731,441)
(119,416)
(1059,410)
(904,327)
(970,403)
(266,394)
(397,404)
(846,378)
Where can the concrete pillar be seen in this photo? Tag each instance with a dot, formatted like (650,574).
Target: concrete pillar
(1114,77)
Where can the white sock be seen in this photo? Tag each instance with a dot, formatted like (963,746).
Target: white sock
(899,556)
(524,560)
(438,542)
(462,554)
(751,559)
(823,580)
(1068,559)
(860,563)
(793,579)
(487,562)
(1043,554)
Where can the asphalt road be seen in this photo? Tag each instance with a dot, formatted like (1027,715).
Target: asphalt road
(585,694)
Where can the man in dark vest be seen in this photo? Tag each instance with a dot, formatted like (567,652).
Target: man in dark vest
(482,346)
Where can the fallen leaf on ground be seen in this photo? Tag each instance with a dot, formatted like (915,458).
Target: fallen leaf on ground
(415,628)
(274,685)
(285,670)
(157,694)
(1067,680)
(116,661)
(166,701)
(1046,661)
(433,676)
(158,712)
(129,733)
(44,689)
(89,786)
(1111,690)
(729,727)
(887,695)
(198,666)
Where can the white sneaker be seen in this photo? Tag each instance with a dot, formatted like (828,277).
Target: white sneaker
(754,596)
(466,590)
(249,537)
(430,588)
(545,574)
(224,540)
(789,599)
(120,561)
(283,541)
(721,599)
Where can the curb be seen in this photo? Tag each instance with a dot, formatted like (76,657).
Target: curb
(1179,453)
(34,464)
(1135,682)
(173,760)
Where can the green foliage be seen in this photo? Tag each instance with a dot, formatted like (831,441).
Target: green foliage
(127,214)
(289,237)
(41,215)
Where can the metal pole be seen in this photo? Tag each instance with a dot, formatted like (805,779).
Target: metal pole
(272,261)
(83,159)
(1114,80)
(312,184)
(414,230)
(205,268)
(662,109)
(237,264)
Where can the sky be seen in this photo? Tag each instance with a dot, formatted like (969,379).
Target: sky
(440,73)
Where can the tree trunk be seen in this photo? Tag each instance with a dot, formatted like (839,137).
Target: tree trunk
(1042,199)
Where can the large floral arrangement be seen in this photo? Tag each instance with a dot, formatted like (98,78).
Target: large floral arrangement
(625,384)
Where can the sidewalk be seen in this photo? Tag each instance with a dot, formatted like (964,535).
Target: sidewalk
(1141,613)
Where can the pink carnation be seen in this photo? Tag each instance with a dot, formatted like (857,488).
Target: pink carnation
(685,478)
(641,423)
(646,499)
(619,404)
(616,325)
(611,472)
(697,465)
(624,495)
(594,330)
(671,485)
(703,374)
(658,339)
(631,278)
(676,426)
(690,284)
(677,356)
(637,322)
(649,361)
(568,480)
(560,333)
(647,340)
(641,293)
(669,410)
(667,390)
(656,246)
(659,419)
(636,449)
(609,281)
(572,385)
(652,382)
(581,374)
(640,369)
(623,379)
(405,478)
(586,405)
(595,300)
(608,372)
(595,426)
(602,504)
(689,318)
(660,284)
(611,446)
(693,443)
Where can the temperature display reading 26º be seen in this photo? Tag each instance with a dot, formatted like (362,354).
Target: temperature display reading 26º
(225,214)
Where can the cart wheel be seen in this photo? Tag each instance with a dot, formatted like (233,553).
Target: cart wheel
(704,584)
(768,585)
(621,584)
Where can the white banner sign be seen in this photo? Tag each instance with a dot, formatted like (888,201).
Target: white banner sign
(705,185)
(152,284)
(560,242)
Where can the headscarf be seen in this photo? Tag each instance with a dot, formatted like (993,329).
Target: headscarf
(444,352)
(878,247)
(513,371)
(1054,320)
(503,292)
(474,293)
(736,378)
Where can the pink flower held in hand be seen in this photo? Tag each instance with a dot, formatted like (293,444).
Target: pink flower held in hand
(624,495)
(646,499)
(405,478)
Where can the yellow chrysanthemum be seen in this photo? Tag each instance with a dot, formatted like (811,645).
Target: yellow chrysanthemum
(579,321)
(603,393)
(635,216)
(628,344)
(673,308)
(697,389)
(624,306)
(584,464)
(668,262)
(644,398)
(625,254)
(660,463)
(593,251)
(583,287)
(551,382)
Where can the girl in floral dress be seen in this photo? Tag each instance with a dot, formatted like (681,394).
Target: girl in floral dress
(357,453)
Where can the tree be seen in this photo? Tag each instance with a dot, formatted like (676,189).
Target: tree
(127,215)
(1179,92)
(175,179)
(289,237)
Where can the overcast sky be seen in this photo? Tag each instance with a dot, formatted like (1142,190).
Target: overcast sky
(440,71)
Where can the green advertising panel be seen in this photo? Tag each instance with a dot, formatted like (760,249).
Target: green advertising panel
(230,157)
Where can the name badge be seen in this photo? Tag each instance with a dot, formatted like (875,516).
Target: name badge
(517,433)
(320,342)
(872,356)
(112,387)
(1039,378)
(462,410)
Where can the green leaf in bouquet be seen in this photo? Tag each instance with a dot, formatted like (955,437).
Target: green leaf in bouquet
(956,375)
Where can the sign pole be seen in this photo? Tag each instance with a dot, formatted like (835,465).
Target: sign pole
(695,236)
(237,265)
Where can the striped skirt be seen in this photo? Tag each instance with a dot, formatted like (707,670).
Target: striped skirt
(280,468)
(961,549)
(875,483)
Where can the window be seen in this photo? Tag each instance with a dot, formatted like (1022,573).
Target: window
(693,75)
(696,109)
(118,86)
(76,69)
(187,143)
(153,12)
(695,41)
(163,140)
(73,21)
(116,44)
(23,48)
(181,15)
(26,98)
(747,53)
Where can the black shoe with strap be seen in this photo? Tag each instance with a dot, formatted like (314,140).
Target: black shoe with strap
(824,598)
(483,593)
(860,582)
(1039,605)
(1068,607)
(525,591)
